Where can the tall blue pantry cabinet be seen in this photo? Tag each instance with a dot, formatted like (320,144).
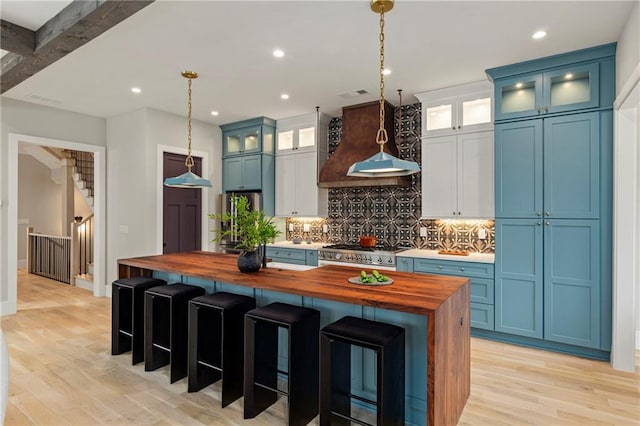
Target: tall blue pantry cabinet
(553,194)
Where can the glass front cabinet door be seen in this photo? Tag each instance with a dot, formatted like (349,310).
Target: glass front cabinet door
(457,109)
(560,90)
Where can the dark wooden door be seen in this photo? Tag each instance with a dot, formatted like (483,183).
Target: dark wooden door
(182,208)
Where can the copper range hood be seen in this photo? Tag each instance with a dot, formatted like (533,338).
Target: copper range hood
(360,124)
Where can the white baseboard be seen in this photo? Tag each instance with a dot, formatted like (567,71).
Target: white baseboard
(22,263)
(638,340)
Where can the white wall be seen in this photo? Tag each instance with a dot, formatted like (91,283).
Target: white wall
(30,119)
(132,141)
(80,206)
(39,199)
(628,49)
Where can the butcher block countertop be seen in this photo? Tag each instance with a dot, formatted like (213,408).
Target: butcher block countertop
(418,294)
(443,300)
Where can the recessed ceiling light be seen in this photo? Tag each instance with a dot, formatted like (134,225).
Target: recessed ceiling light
(214,113)
(278,53)
(386,71)
(539,34)
(284,96)
(136,90)
(518,85)
(568,76)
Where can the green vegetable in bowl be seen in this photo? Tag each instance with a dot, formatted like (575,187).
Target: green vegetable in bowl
(379,277)
(364,278)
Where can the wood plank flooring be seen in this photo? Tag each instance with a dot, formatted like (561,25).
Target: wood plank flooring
(62,373)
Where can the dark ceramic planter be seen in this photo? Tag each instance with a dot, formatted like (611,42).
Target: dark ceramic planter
(249,261)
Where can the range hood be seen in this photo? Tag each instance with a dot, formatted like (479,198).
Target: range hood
(360,124)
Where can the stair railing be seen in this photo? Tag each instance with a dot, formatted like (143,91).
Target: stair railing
(82,245)
(49,256)
(84,166)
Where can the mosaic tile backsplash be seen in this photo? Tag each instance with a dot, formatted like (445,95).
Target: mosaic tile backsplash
(392,214)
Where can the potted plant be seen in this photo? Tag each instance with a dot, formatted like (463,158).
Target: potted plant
(251,229)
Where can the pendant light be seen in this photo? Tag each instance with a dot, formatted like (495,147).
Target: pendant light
(382,164)
(188,179)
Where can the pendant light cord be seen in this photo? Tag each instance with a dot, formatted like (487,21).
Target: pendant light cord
(382,137)
(189,161)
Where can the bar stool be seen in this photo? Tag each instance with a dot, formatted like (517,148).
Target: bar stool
(335,370)
(216,342)
(261,360)
(166,327)
(127,315)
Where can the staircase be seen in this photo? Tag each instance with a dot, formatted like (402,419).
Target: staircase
(82,173)
(85,281)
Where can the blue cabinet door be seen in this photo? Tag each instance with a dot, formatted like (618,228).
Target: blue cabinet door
(252,172)
(518,169)
(572,88)
(572,282)
(233,173)
(404,264)
(571,166)
(518,277)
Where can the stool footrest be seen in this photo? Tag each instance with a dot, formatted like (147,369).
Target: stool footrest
(164,348)
(126,333)
(211,366)
(272,389)
(361,398)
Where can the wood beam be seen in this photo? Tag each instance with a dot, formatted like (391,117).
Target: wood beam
(17,39)
(74,26)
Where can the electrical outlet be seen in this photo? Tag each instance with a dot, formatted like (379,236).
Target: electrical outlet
(482,234)
(325,229)
(423,231)
(291,227)
(306,227)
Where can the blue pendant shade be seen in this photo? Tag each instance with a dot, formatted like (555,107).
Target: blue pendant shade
(187,180)
(383,165)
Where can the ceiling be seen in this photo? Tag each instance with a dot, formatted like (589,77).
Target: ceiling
(330,47)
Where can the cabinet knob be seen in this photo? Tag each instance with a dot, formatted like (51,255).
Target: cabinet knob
(459,213)
(547,213)
(462,269)
(547,223)
(453,128)
(454,213)
(439,266)
(404,260)
(546,109)
(276,252)
(539,223)
(538,213)
(459,126)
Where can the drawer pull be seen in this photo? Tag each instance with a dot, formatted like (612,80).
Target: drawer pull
(439,266)
(462,269)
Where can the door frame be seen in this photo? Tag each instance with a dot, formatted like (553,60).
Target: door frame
(626,209)
(99,211)
(160,197)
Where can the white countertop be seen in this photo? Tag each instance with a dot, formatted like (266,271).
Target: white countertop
(302,245)
(433,254)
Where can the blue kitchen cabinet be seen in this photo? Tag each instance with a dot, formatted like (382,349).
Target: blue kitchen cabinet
(518,169)
(548,167)
(481,278)
(554,180)
(518,277)
(242,173)
(572,282)
(569,82)
(297,256)
(253,136)
(571,166)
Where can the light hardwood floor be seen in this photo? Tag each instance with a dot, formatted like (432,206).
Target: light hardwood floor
(62,373)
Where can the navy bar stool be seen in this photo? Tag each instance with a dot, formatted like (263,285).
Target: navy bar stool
(335,370)
(166,327)
(216,342)
(127,315)
(261,360)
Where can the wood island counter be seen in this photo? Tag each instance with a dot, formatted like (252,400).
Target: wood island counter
(443,301)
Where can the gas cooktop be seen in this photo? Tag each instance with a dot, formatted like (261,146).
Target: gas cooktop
(353,253)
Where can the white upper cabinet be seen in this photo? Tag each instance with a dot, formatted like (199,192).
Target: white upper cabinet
(465,108)
(301,150)
(457,152)
(298,133)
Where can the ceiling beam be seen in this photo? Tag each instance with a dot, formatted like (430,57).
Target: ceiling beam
(74,26)
(17,39)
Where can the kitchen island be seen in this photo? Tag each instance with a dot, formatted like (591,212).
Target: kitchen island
(435,309)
